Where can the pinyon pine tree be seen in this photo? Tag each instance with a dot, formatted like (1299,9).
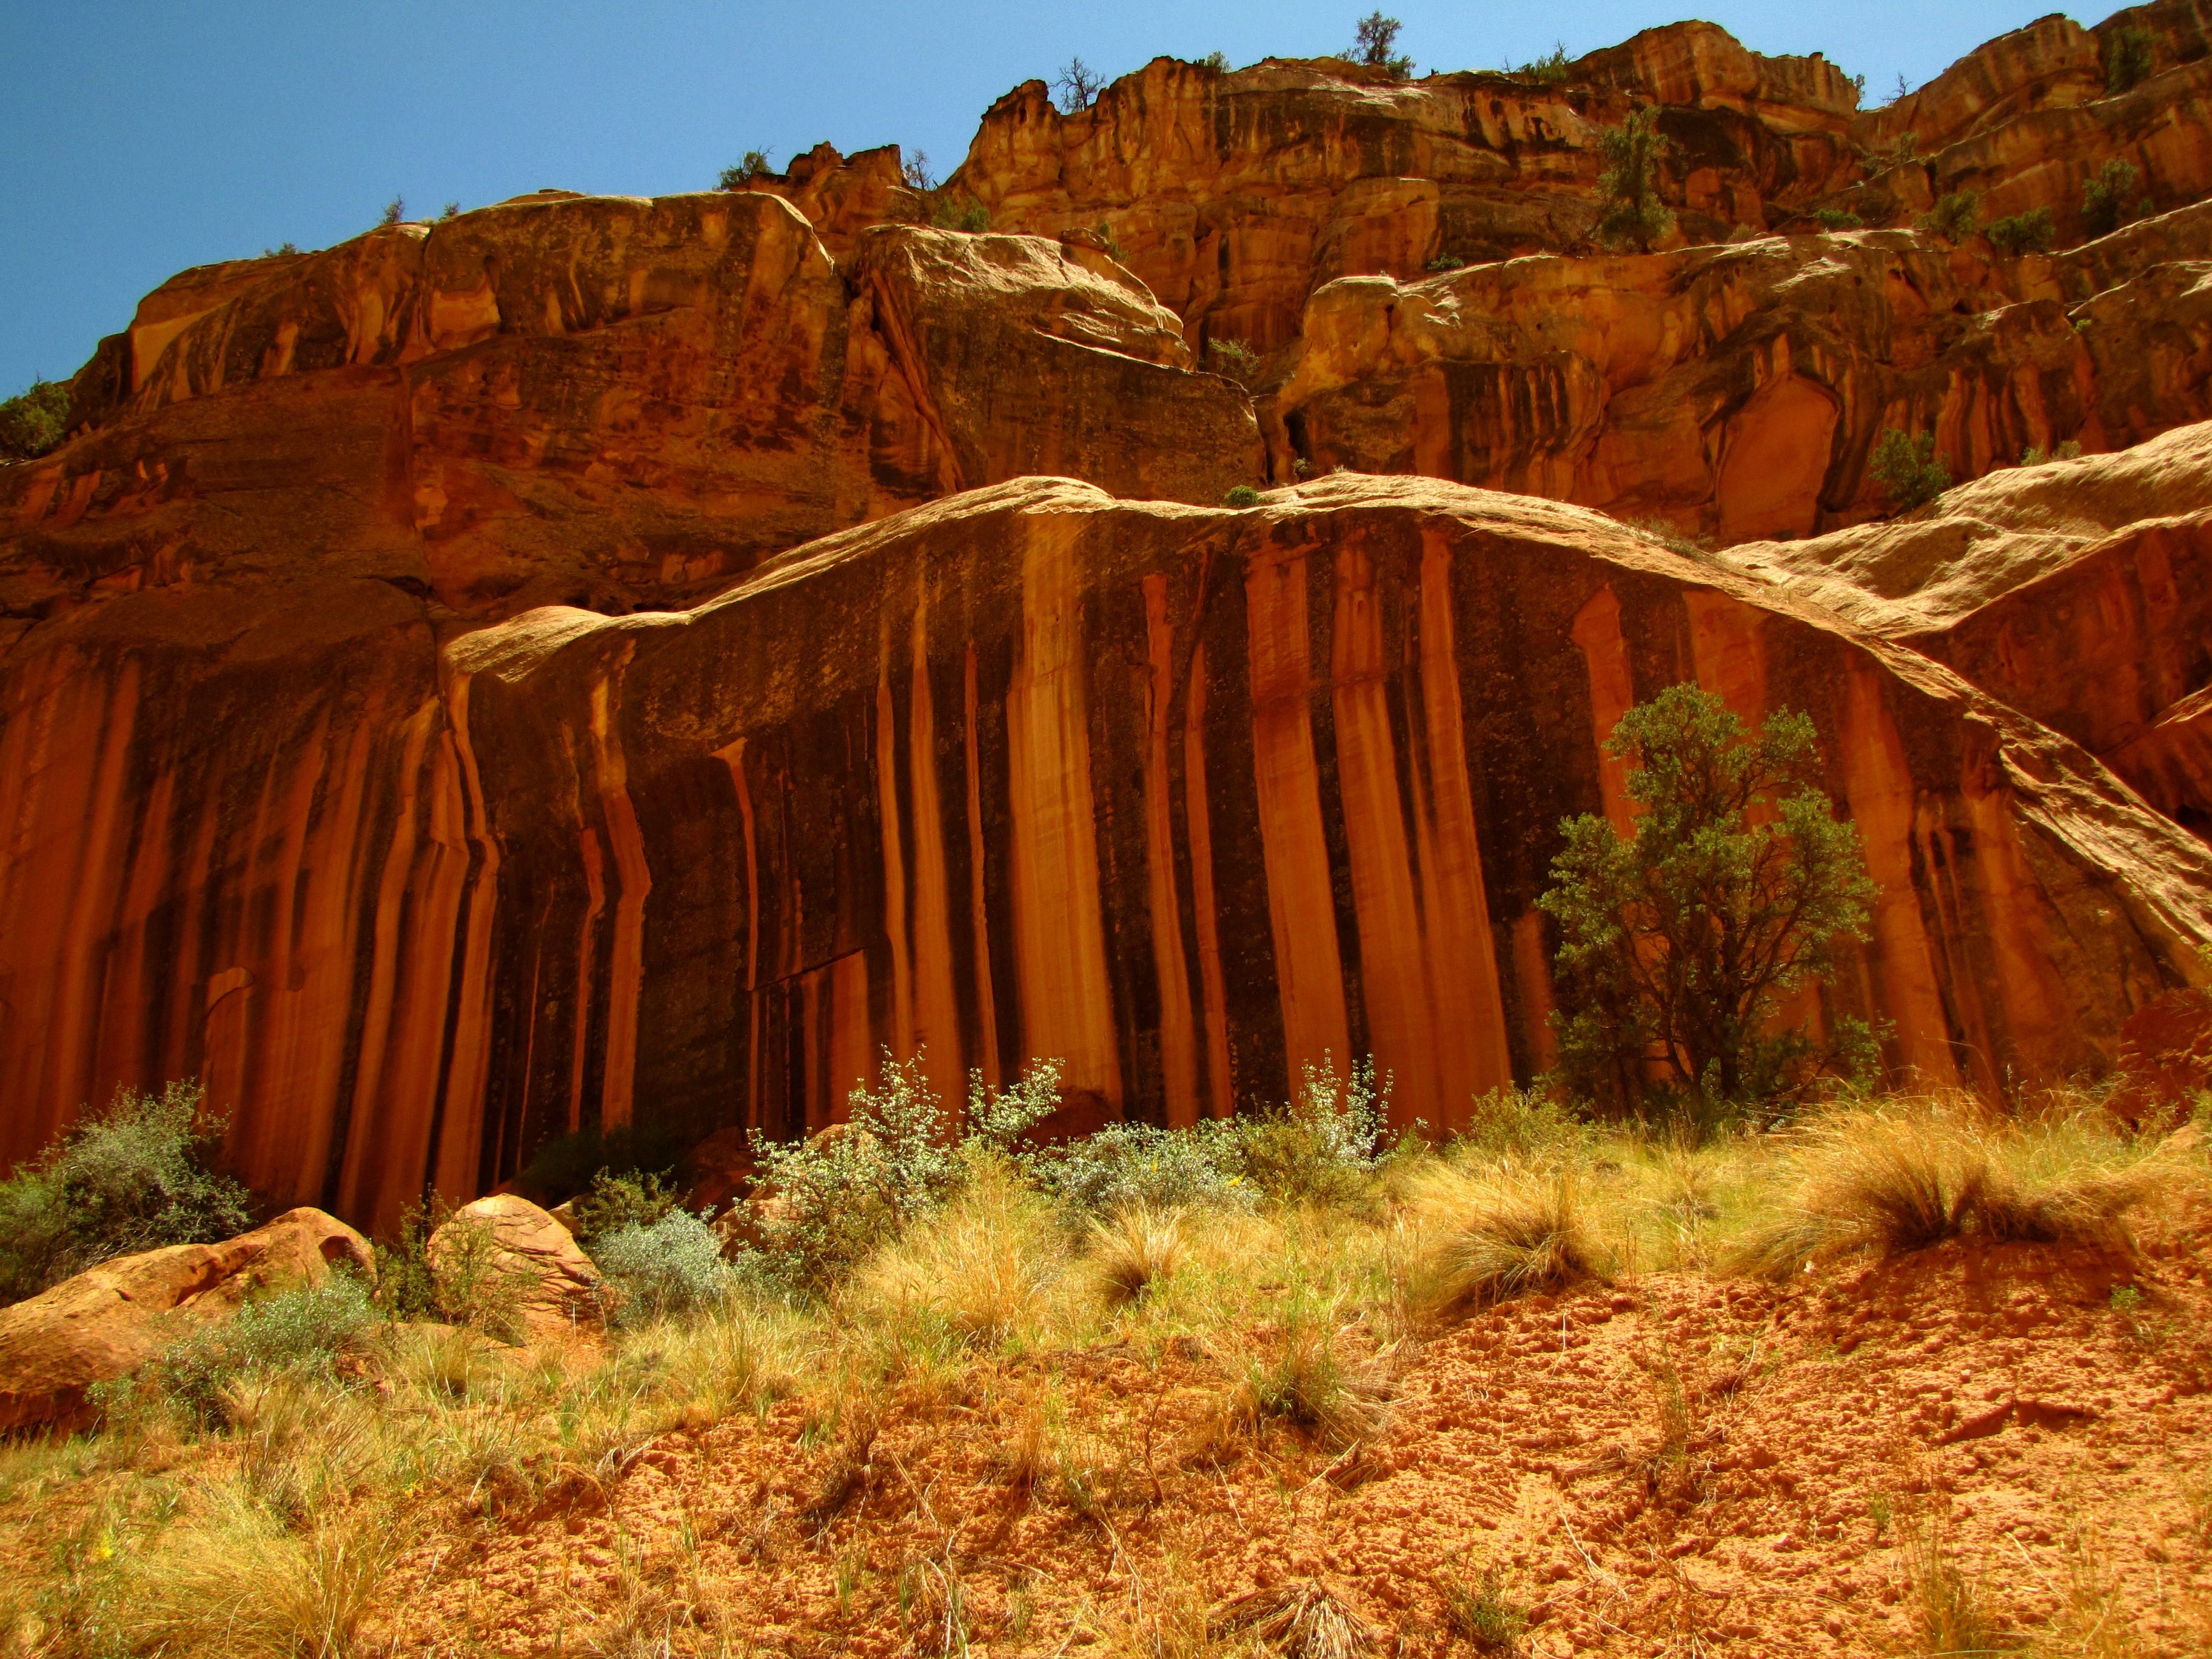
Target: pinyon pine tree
(1681,942)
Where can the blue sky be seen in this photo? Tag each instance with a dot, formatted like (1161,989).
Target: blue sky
(145,137)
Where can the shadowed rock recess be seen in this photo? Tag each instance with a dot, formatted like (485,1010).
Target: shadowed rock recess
(601,660)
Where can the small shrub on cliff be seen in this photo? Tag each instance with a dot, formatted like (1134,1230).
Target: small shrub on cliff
(2068,451)
(2109,200)
(1078,87)
(915,169)
(134,1177)
(1240,496)
(1836,219)
(1908,470)
(2024,233)
(1217,61)
(2129,59)
(1551,69)
(752,165)
(1634,216)
(395,210)
(1954,217)
(1233,359)
(963,213)
(33,422)
(1377,36)
(1681,941)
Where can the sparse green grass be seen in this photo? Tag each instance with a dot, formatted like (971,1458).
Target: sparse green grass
(1285,1309)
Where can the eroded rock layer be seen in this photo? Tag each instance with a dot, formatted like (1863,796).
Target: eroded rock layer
(597,659)
(1184,797)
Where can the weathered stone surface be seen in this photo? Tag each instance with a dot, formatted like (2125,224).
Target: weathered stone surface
(111,1319)
(2079,592)
(520,1258)
(1738,392)
(603,401)
(466,685)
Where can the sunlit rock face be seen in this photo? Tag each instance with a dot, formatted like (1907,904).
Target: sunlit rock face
(1184,797)
(598,659)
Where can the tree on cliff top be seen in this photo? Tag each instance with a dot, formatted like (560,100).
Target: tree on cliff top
(33,421)
(1377,35)
(1634,216)
(1681,942)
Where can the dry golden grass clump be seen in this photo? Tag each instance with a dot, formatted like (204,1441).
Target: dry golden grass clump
(1302,1619)
(1888,1180)
(1134,1249)
(1486,1237)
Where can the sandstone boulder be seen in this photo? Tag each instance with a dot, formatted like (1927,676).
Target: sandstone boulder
(515,1260)
(112,1318)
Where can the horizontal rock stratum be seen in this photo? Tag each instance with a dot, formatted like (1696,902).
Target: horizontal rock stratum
(608,659)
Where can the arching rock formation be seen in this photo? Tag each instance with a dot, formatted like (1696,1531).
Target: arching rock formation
(1182,796)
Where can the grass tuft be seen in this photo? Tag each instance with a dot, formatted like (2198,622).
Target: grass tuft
(1498,1235)
(1133,1250)
(1891,1181)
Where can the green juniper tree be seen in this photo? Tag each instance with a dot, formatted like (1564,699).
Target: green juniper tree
(1634,216)
(1681,942)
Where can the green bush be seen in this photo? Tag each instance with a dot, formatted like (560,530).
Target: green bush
(1240,496)
(1447,262)
(1551,69)
(1322,1145)
(1378,37)
(302,1331)
(2109,200)
(2032,232)
(1907,469)
(134,1177)
(570,1165)
(962,213)
(2129,57)
(1836,219)
(1125,1165)
(672,1265)
(1216,60)
(2068,451)
(1634,216)
(1681,942)
(618,1202)
(750,166)
(1954,217)
(33,422)
(901,1153)
(1233,359)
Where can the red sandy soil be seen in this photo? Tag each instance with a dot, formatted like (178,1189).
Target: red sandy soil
(1996,1393)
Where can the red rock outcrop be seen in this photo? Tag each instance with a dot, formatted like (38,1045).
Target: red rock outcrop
(1182,796)
(468,685)
(2079,592)
(1737,391)
(604,401)
(111,1319)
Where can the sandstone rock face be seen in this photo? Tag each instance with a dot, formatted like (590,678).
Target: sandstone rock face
(2079,592)
(604,401)
(111,1319)
(600,658)
(1737,392)
(1184,797)
(509,1250)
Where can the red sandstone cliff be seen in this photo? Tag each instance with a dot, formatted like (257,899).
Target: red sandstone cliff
(602,658)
